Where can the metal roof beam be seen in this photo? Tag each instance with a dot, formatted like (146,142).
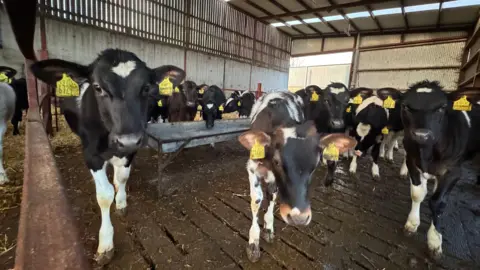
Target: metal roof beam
(328,9)
(439,16)
(280,6)
(271,14)
(405,19)
(369,9)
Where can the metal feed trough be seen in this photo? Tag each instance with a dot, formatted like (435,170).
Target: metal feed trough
(174,137)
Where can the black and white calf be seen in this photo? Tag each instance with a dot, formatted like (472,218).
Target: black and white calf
(395,125)
(7,109)
(310,105)
(213,102)
(370,119)
(241,102)
(439,135)
(291,151)
(110,117)
(20,88)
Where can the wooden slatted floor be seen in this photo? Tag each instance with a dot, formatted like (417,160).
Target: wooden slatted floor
(357,224)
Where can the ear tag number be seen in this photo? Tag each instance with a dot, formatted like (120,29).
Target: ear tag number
(4,78)
(314,97)
(357,100)
(385,131)
(462,104)
(220,108)
(201,91)
(160,103)
(331,152)
(67,87)
(177,90)
(389,103)
(257,151)
(349,109)
(165,87)
(199,108)
(239,104)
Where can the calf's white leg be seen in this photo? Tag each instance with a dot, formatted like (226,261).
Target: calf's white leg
(256,197)
(417,194)
(105,194)
(3,175)
(120,178)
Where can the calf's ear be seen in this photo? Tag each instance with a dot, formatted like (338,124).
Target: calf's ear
(50,71)
(176,74)
(8,71)
(472,93)
(249,138)
(341,141)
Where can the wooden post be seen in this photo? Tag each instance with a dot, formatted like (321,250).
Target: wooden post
(259,90)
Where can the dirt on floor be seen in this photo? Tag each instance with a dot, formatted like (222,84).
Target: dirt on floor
(204,223)
(10,195)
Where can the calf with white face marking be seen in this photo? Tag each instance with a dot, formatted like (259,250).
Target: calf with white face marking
(241,102)
(370,119)
(392,99)
(213,105)
(440,132)
(285,151)
(110,117)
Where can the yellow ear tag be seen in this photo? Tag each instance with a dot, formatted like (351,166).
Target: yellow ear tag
(357,100)
(389,103)
(220,108)
(201,91)
(385,131)
(257,151)
(67,87)
(160,103)
(4,78)
(199,108)
(462,104)
(177,90)
(349,109)
(239,104)
(165,87)
(331,152)
(314,97)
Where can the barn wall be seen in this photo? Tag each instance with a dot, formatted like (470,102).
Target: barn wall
(300,77)
(81,44)
(470,71)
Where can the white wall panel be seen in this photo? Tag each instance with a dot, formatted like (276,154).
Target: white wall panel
(271,80)
(202,68)
(237,75)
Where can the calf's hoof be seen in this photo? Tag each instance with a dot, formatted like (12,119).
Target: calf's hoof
(376,177)
(105,257)
(435,254)
(3,178)
(409,229)
(121,212)
(269,236)
(253,252)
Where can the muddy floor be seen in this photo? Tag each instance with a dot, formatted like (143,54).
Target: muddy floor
(357,224)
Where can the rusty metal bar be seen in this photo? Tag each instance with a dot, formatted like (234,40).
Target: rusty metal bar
(47,234)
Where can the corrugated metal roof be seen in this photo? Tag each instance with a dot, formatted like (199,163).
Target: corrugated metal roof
(363,19)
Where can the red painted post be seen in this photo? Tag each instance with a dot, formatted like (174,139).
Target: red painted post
(259,90)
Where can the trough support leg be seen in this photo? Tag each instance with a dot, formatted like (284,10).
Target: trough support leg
(162,185)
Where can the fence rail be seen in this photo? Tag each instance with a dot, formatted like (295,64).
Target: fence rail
(209,26)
